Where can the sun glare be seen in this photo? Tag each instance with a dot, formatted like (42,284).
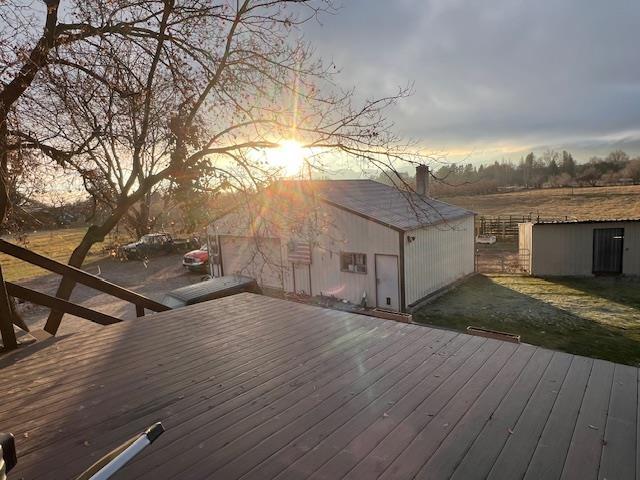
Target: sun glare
(289,157)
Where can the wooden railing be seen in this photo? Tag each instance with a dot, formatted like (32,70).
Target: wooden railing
(7,319)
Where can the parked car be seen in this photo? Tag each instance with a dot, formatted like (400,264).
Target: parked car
(148,245)
(210,290)
(155,244)
(196,260)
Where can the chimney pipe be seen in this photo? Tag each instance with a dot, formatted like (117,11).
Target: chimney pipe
(422,180)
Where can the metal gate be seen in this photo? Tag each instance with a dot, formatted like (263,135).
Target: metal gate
(503,262)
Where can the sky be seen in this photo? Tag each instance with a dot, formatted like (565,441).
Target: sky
(494,79)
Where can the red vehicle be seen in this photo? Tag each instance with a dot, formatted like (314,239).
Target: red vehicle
(196,260)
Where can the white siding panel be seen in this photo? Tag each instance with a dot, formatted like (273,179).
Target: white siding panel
(348,232)
(258,258)
(438,256)
(343,231)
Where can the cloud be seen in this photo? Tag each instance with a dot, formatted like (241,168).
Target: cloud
(493,74)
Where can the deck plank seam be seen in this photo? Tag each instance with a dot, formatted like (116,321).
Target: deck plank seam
(495,409)
(524,407)
(347,420)
(143,455)
(329,459)
(475,400)
(302,372)
(480,345)
(384,360)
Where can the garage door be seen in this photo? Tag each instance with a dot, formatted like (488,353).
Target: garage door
(259,258)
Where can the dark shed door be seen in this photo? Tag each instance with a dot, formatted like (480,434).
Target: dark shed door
(607,250)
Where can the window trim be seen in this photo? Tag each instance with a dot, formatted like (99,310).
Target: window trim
(353,254)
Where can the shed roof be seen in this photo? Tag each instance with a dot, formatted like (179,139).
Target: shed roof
(385,204)
(595,220)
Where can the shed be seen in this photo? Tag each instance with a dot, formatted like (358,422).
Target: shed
(580,248)
(358,240)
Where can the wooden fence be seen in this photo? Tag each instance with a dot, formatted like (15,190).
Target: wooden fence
(506,226)
(9,289)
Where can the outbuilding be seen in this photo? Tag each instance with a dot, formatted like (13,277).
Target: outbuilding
(580,248)
(357,240)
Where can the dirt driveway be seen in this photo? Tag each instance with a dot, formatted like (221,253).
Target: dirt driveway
(159,276)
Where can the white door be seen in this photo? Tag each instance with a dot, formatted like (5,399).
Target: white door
(387,289)
(259,258)
(301,279)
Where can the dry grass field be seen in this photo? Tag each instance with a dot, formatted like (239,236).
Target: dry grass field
(56,244)
(579,203)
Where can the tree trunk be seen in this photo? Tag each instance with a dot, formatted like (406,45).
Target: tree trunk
(143,224)
(67,284)
(95,234)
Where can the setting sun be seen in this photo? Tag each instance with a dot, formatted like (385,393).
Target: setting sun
(288,157)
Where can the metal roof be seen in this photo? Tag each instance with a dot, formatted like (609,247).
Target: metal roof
(596,220)
(385,204)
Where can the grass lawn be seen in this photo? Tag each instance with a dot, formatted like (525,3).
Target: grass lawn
(56,244)
(595,317)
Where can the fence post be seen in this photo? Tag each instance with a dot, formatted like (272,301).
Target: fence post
(6,325)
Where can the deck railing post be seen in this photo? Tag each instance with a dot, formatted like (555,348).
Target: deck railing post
(6,325)
(139,310)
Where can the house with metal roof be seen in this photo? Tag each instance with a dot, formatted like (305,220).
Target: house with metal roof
(357,240)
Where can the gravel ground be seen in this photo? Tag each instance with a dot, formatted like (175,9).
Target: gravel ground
(159,276)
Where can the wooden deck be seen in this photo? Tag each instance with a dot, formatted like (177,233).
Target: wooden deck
(257,388)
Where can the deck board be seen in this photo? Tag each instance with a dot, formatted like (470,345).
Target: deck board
(456,443)
(620,435)
(188,361)
(255,387)
(551,451)
(585,451)
(319,444)
(359,447)
(524,435)
(424,444)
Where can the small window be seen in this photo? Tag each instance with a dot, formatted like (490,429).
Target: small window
(353,262)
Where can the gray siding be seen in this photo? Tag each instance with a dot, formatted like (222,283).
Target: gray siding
(567,249)
(438,256)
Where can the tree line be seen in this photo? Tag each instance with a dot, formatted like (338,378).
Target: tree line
(551,169)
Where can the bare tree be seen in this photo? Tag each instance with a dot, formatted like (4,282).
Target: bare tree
(133,94)
(36,36)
